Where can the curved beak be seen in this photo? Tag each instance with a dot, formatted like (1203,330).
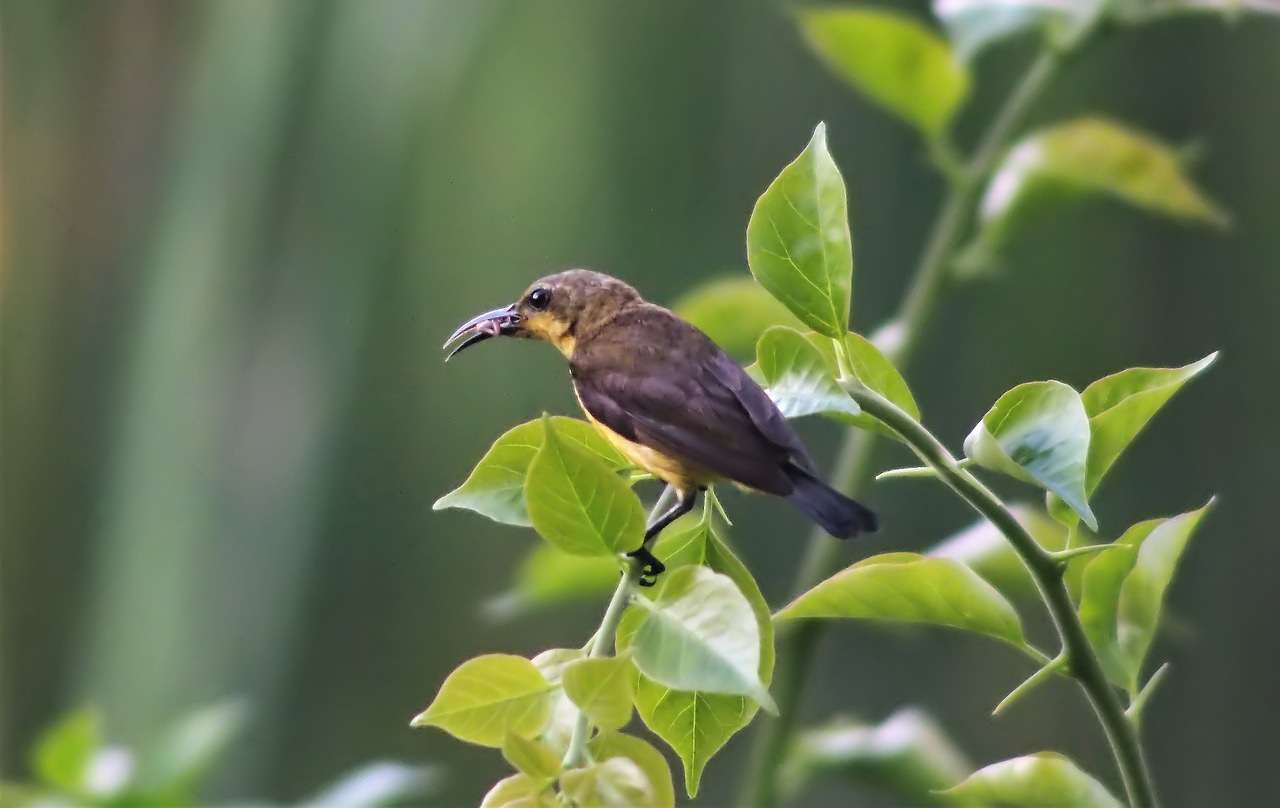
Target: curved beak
(499,322)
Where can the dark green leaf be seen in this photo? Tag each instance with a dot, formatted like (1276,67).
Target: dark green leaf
(975,24)
(908,588)
(550,576)
(496,487)
(799,379)
(734,312)
(578,504)
(895,60)
(489,696)
(1039,433)
(798,242)
(63,751)
(608,745)
(1043,780)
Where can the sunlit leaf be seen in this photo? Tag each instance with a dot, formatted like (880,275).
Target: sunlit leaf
(578,504)
(734,312)
(891,57)
(798,242)
(496,487)
(608,745)
(1042,780)
(615,783)
(489,696)
(188,750)
(975,24)
(530,757)
(520,791)
(908,756)
(63,752)
(798,378)
(603,688)
(564,714)
(1039,433)
(377,785)
(908,588)
(550,576)
(985,550)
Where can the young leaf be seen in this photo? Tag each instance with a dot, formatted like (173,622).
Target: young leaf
(63,751)
(798,242)
(608,745)
(895,60)
(798,377)
(550,576)
(975,24)
(700,634)
(577,504)
(1042,780)
(564,714)
(616,783)
(1038,433)
(189,749)
(604,688)
(377,785)
(908,588)
(520,791)
(496,486)
(489,696)
(529,757)
(734,312)
(1089,156)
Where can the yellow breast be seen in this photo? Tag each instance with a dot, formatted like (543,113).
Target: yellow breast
(665,468)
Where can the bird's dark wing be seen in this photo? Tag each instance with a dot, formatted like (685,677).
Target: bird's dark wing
(680,394)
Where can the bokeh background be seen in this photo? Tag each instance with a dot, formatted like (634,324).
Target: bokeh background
(235,233)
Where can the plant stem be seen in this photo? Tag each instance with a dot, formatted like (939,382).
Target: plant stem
(1047,572)
(853,464)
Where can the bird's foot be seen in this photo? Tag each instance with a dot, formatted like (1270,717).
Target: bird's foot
(650,566)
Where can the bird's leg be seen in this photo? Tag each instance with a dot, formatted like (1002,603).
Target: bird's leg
(651,567)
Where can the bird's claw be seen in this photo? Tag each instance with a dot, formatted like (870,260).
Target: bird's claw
(650,566)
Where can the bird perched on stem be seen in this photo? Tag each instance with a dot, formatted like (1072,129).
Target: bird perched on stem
(668,398)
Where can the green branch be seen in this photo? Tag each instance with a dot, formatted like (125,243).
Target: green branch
(1047,572)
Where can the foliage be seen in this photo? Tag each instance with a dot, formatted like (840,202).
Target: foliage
(695,657)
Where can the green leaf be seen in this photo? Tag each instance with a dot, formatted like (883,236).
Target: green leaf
(549,577)
(604,688)
(489,696)
(873,370)
(696,725)
(377,785)
(496,487)
(1089,156)
(577,504)
(1038,433)
(909,588)
(616,783)
(608,745)
(530,757)
(985,550)
(63,751)
(975,24)
(896,61)
(734,312)
(187,752)
(564,714)
(700,634)
(520,791)
(798,242)
(798,377)
(1042,780)
(908,756)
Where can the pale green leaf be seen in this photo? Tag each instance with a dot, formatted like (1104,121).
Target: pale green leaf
(63,752)
(873,370)
(496,486)
(615,783)
(520,791)
(489,696)
(798,242)
(564,714)
(189,749)
(608,745)
(578,504)
(798,378)
(377,785)
(975,24)
(908,588)
(528,756)
(1039,433)
(1042,780)
(734,312)
(604,688)
(984,549)
(550,576)
(891,57)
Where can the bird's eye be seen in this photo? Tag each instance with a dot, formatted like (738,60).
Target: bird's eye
(539,298)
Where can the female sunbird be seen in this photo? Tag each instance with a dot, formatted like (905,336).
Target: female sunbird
(668,398)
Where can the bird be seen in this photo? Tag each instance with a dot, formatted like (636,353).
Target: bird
(668,398)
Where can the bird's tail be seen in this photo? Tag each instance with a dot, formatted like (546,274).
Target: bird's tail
(833,511)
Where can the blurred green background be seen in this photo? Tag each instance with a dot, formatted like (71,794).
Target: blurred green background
(235,233)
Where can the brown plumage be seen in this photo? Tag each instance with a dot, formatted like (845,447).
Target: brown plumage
(668,398)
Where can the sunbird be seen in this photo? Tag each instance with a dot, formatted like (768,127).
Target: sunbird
(668,398)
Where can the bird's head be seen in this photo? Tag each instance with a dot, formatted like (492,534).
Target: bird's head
(560,309)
